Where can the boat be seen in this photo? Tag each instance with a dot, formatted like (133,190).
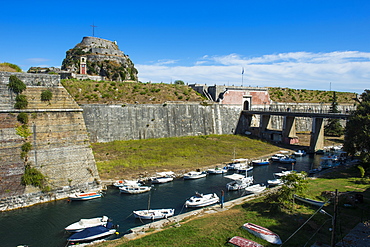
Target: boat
(300,153)
(154,214)
(236,163)
(134,189)
(287,160)
(163,177)
(310,201)
(86,223)
(93,233)
(255,189)
(120,183)
(263,233)
(217,170)
(277,157)
(245,168)
(329,161)
(194,175)
(243,242)
(84,196)
(274,182)
(239,181)
(200,200)
(260,162)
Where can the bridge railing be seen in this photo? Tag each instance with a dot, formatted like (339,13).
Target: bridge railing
(309,110)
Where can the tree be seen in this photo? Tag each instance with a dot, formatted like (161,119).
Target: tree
(16,85)
(357,132)
(333,127)
(179,82)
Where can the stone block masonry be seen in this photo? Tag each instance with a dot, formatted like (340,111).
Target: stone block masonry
(60,144)
(107,123)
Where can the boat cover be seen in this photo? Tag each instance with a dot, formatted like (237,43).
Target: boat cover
(91,231)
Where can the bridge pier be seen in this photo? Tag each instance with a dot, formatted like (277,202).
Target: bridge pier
(265,124)
(317,134)
(289,130)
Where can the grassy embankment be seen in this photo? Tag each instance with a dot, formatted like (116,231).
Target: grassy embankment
(216,229)
(123,159)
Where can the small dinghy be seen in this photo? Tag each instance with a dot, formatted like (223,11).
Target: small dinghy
(243,242)
(255,189)
(200,200)
(86,223)
(134,189)
(154,214)
(263,233)
(93,233)
(310,201)
(194,175)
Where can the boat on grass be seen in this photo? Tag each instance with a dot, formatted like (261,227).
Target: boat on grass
(93,233)
(243,242)
(255,189)
(263,233)
(194,175)
(200,200)
(310,201)
(154,214)
(86,223)
(134,189)
(239,181)
(84,196)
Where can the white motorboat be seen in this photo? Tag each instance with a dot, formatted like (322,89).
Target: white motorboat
(245,168)
(134,189)
(274,182)
(200,200)
(120,183)
(217,170)
(277,157)
(255,189)
(154,214)
(194,175)
(287,160)
(163,177)
(93,233)
(236,163)
(239,181)
(86,223)
(260,162)
(300,153)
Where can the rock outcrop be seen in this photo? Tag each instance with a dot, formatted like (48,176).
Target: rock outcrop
(103,58)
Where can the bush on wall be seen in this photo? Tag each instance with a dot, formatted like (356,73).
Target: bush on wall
(46,95)
(16,85)
(21,102)
(22,118)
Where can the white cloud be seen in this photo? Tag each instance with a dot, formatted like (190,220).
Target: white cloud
(37,60)
(344,70)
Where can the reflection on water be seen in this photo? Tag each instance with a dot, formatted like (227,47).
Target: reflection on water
(43,225)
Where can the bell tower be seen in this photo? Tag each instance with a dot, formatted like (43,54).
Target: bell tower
(83,65)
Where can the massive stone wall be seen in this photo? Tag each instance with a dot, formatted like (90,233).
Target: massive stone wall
(60,142)
(132,122)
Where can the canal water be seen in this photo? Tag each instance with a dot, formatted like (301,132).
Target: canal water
(43,225)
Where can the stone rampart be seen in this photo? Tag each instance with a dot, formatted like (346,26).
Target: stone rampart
(60,143)
(132,122)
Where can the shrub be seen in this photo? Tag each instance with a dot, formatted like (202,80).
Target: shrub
(26,147)
(16,85)
(23,118)
(46,95)
(21,102)
(33,177)
(23,131)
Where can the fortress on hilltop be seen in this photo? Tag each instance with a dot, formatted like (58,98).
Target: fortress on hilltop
(98,59)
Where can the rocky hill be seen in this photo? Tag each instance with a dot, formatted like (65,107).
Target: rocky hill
(103,58)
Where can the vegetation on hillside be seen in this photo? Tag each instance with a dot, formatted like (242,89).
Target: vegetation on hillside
(309,96)
(9,67)
(109,92)
(333,126)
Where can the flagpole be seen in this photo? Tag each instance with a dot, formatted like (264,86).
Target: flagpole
(242,75)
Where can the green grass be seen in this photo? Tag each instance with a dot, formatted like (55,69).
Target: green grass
(216,229)
(177,153)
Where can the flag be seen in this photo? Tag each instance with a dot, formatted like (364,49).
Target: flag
(242,71)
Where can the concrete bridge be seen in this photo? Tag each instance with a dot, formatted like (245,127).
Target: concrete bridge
(288,132)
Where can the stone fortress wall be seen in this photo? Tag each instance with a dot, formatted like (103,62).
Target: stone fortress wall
(60,143)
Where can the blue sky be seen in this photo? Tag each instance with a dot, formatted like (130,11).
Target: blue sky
(304,44)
